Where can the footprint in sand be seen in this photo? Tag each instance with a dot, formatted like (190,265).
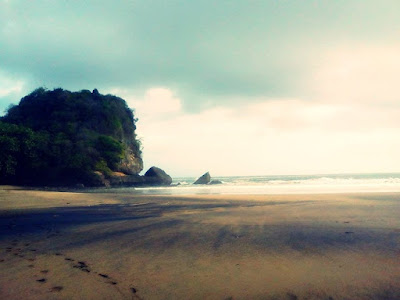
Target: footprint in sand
(56,288)
(108,277)
(291,296)
(82,266)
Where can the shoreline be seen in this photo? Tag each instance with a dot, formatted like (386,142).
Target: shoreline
(124,246)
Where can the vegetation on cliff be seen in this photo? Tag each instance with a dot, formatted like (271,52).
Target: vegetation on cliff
(60,137)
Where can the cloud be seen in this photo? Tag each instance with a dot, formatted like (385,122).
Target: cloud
(270,136)
(359,74)
(11,89)
(223,51)
(156,103)
(7,88)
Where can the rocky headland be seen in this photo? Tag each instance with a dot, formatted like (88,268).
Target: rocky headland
(63,138)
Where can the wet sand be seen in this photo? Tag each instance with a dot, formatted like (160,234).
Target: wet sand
(64,245)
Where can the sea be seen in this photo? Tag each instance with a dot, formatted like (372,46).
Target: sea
(277,184)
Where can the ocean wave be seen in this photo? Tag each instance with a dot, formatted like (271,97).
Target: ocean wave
(284,184)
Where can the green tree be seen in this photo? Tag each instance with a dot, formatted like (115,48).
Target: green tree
(62,137)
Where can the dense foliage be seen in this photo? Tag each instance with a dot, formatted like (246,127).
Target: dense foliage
(62,137)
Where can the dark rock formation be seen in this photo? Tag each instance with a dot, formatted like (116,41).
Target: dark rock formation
(215,181)
(127,180)
(131,162)
(98,180)
(204,179)
(157,176)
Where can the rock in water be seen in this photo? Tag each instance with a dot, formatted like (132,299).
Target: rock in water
(215,181)
(157,176)
(204,179)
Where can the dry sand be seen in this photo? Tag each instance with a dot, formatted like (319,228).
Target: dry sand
(64,245)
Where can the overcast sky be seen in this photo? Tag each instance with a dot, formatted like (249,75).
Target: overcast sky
(230,87)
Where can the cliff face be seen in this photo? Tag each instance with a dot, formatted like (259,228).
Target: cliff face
(131,162)
(71,136)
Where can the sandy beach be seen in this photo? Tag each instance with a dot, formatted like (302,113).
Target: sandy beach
(70,245)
